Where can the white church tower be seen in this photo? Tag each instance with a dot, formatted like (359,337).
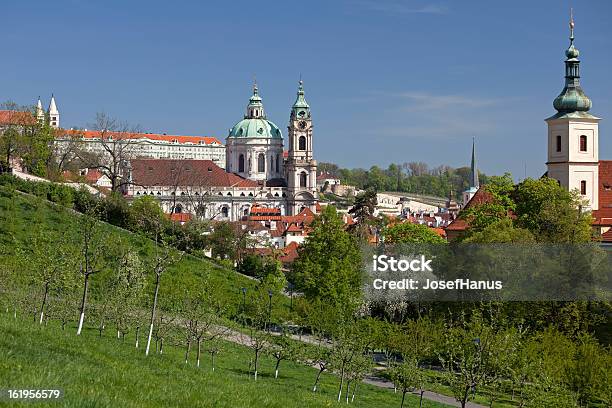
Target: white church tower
(573,134)
(40,113)
(54,115)
(300,166)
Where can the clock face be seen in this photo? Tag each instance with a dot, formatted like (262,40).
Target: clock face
(301,114)
(302,124)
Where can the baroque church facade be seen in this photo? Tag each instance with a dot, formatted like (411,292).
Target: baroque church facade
(258,170)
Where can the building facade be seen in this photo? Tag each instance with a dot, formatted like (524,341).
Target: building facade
(256,173)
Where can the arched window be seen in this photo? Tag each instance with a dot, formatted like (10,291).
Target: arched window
(241,163)
(277,160)
(303,179)
(302,143)
(225,211)
(261,163)
(558,143)
(583,143)
(178,209)
(583,187)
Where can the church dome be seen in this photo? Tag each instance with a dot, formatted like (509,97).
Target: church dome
(255,127)
(572,99)
(255,123)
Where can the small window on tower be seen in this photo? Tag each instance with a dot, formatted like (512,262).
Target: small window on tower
(583,143)
(558,143)
(302,143)
(583,187)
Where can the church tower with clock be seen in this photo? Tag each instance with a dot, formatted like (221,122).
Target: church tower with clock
(300,166)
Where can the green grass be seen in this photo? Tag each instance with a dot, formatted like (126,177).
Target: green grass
(20,213)
(105,372)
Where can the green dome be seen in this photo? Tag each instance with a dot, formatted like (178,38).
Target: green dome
(572,99)
(572,52)
(255,127)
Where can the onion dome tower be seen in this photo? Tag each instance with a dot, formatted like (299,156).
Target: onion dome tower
(573,134)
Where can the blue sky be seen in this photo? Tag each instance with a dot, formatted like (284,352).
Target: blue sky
(387,80)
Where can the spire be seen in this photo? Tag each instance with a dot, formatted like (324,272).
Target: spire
(474,174)
(572,98)
(53,107)
(300,105)
(40,113)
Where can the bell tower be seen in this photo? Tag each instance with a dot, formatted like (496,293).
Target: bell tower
(573,134)
(301,168)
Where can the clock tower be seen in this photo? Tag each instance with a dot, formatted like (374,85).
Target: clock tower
(301,168)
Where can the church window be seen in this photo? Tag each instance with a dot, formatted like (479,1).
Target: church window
(558,143)
(241,163)
(261,163)
(303,179)
(583,143)
(225,211)
(178,209)
(302,143)
(583,187)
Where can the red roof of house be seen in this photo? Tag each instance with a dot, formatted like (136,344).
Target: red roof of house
(192,173)
(20,118)
(94,134)
(482,196)
(179,217)
(325,176)
(93,175)
(603,216)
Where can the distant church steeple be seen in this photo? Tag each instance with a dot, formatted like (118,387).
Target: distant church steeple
(474,183)
(40,113)
(53,113)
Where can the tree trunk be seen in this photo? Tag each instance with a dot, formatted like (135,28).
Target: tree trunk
(187,351)
(276,369)
(137,334)
(348,390)
(161,345)
(421,399)
(213,362)
(354,390)
(256,362)
(314,389)
(341,383)
(403,397)
(199,352)
(153,314)
(83,303)
(44,302)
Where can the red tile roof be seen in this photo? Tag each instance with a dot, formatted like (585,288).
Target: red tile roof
(19,118)
(603,216)
(607,236)
(482,196)
(179,217)
(193,173)
(93,134)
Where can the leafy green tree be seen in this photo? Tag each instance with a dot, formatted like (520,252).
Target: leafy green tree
(411,233)
(50,259)
(408,376)
(146,216)
(501,231)
(551,212)
(329,262)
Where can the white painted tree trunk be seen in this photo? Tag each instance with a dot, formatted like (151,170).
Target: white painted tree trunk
(42,316)
(149,339)
(81,323)
(137,333)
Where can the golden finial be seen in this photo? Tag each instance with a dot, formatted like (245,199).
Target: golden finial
(571,24)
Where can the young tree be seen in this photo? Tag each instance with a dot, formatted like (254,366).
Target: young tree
(282,347)
(164,257)
(93,253)
(408,376)
(50,259)
(411,233)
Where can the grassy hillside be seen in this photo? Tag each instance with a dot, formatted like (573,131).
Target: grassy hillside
(101,372)
(20,214)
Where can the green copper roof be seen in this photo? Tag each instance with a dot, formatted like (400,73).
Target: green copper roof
(300,106)
(572,98)
(255,127)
